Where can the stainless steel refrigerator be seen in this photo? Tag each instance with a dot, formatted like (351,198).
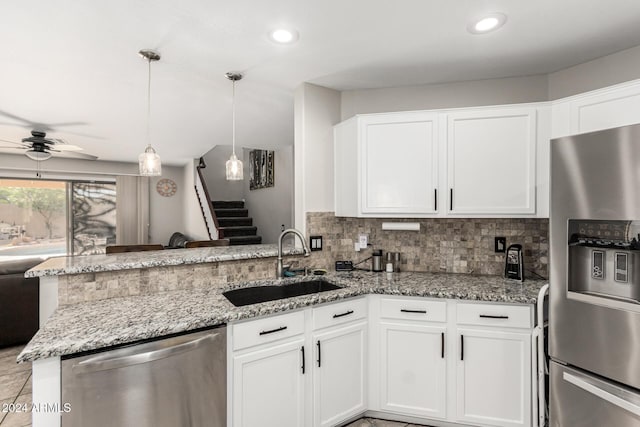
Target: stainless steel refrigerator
(594,337)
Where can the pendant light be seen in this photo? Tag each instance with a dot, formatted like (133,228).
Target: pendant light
(149,161)
(234,166)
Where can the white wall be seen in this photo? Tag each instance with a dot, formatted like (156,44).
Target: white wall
(612,69)
(447,95)
(316,110)
(194,225)
(166,214)
(215,174)
(272,207)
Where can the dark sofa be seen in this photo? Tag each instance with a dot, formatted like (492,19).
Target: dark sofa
(19,302)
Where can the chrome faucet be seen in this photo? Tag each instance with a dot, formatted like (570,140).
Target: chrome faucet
(281,268)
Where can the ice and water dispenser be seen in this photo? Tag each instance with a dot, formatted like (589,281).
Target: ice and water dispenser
(604,258)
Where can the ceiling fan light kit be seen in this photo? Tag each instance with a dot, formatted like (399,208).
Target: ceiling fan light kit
(38,155)
(149,161)
(233,165)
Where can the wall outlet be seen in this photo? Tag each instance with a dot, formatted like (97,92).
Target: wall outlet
(364,240)
(500,244)
(315,243)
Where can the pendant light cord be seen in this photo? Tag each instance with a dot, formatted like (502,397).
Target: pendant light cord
(233,116)
(149,104)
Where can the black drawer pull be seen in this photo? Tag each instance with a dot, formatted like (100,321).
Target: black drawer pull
(451,199)
(435,199)
(346,313)
(442,345)
(489,316)
(404,310)
(303,367)
(282,328)
(461,347)
(319,354)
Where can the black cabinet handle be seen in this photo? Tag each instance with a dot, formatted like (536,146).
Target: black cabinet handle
(282,328)
(451,199)
(442,345)
(404,310)
(319,354)
(489,316)
(461,347)
(303,366)
(346,313)
(435,199)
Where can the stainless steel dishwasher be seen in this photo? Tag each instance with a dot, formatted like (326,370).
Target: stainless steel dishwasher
(174,382)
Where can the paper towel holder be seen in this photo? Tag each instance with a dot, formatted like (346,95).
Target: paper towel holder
(401,226)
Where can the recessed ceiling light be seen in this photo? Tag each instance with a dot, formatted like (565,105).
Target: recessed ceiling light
(487,23)
(283,35)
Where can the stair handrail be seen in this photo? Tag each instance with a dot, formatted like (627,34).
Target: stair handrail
(209,210)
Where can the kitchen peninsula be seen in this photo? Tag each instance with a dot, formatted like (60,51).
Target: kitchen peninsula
(107,301)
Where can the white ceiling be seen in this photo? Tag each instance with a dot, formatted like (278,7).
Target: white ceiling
(71,66)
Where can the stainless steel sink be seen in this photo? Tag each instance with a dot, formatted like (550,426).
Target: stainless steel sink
(256,294)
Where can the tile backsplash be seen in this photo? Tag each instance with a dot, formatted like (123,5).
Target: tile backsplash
(442,245)
(78,288)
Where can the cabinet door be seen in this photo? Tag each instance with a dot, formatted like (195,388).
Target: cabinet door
(413,369)
(491,162)
(494,378)
(399,155)
(268,386)
(609,108)
(339,374)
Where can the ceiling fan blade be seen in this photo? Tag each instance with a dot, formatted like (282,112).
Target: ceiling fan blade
(76,155)
(68,147)
(13,142)
(14,148)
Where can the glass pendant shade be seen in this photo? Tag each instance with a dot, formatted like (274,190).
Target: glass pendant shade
(234,168)
(149,162)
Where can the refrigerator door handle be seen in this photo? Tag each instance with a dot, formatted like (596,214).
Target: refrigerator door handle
(612,394)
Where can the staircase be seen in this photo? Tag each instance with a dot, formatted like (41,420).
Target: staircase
(235,224)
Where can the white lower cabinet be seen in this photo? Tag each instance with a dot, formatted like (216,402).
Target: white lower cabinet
(269,386)
(339,374)
(298,369)
(493,377)
(413,369)
(454,361)
(432,359)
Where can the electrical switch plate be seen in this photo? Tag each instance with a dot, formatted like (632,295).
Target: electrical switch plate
(364,239)
(356,246)
(500,244)
(315,243)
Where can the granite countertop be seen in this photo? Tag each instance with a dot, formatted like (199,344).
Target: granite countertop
(168,257)
(101,324)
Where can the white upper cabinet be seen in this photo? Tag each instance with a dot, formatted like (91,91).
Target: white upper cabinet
(491,161)
(387,165)
(399,163)
(411,164)
(597,110)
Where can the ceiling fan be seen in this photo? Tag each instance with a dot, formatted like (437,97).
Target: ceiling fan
(38,147)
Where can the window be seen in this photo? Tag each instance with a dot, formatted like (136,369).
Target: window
(93,217)
(51,218)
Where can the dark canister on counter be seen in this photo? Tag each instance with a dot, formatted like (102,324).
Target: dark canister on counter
(376,261)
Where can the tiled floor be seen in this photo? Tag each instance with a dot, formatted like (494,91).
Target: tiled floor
(15,388)
(374,422)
